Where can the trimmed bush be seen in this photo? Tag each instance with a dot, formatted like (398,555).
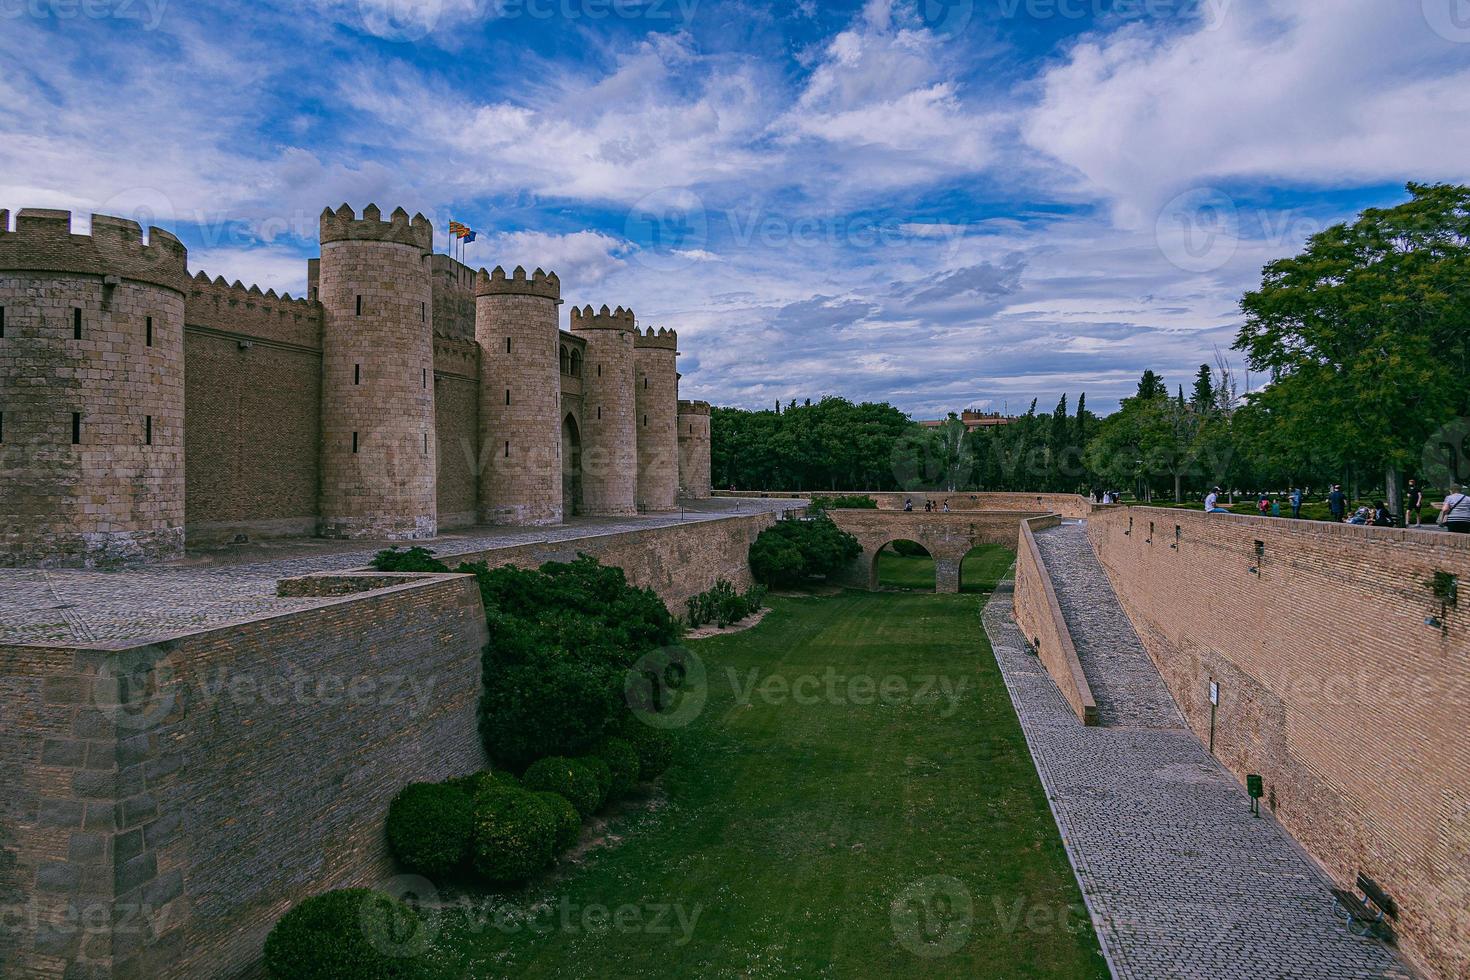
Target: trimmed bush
(601,772)
(792,551)
(514,837)
(653,746)
(429,826)
(569,777)
(568,821)
(478,782)
(622,763)
(415,559)
(353,932)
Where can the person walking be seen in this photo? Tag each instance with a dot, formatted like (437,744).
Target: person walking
(1296,503)
(1454,513)
(1275,506)
(1413,502)
(1337,503)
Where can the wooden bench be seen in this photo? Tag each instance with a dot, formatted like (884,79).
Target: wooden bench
(1368,913)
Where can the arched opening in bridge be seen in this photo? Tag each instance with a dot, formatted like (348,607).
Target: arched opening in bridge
(571,467)
(983,566)
(904,564)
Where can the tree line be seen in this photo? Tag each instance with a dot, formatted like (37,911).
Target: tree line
(1364,339)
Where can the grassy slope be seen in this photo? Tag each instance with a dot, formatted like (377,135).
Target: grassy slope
(793,827)
(983,566)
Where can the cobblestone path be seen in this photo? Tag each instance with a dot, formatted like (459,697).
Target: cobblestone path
(217,586)
(1181,880)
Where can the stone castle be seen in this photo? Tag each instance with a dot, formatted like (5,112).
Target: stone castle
(141,406)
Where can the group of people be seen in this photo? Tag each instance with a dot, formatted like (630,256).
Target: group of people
(1454,512)
(1105,496)
(929,506)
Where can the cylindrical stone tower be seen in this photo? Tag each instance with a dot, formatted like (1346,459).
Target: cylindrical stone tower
(378,453)
(520,397)
(694,443)
(91,392)
(656,398)
(609,435)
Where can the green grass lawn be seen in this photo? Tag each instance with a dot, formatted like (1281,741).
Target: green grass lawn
(982,568)
(790,828)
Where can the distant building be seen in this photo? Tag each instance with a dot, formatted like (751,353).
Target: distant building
(975,420)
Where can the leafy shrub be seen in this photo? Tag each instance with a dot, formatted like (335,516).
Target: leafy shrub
(415,559)
(478,782)
(654,747)
(515,835)
(568,821)
(353,932)
(429,827)
(601,772)
(570,777)
(562,638)
(792,551)
(844,503)
(724,606)
(622,763)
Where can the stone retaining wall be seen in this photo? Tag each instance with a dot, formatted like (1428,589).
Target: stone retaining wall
(1039,616)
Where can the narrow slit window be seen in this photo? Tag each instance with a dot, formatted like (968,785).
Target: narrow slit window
(2,426)
(645,421)
(507,345)
(599,411)
(507,450)
(2,321)
(76,323)
(426,444)
(359,306)
(425,380)
(423,312)
(645,383)
(147,430)
(599,370)
(76,428)
(354,442)
(148,332)
(357,374)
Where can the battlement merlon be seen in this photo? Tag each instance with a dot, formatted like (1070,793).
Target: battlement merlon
(496,283)
(693,408)
(343,225)
(663,340)
(43,242)
(201,286)
(603,319)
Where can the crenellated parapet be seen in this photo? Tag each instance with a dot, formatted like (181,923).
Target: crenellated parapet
(603,319)
(496,283)
(214,304)
(456,357)
(693,407)
(43,242)
(663,340)
(343,225)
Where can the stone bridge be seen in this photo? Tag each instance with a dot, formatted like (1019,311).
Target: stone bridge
(947,537)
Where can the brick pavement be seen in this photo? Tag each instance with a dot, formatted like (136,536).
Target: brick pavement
(1180,879)
(218,586)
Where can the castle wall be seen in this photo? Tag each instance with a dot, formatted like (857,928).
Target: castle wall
(1066,504)
(656,407)
(92,376)
(252,419)
(378,453)
(457,431)
(609,429)
(1332,686)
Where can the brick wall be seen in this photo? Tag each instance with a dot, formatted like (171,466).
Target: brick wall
(252,424)
(457,430)
(160,833)
(1039,616)
(1332,687)
(1066,504)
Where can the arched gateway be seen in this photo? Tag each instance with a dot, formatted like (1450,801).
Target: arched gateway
(947,538)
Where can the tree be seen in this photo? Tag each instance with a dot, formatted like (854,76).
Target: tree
(1151,386)
(1364,333)
(1203,398)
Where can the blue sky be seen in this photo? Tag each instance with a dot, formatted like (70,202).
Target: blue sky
(940,203)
